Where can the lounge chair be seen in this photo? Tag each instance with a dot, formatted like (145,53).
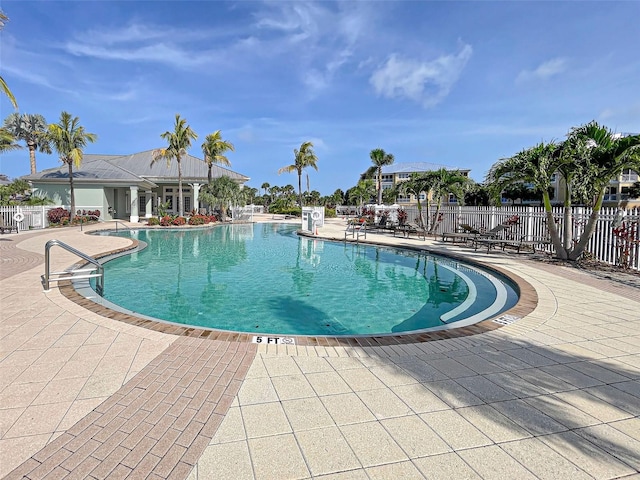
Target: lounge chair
(464,233)
(407,229)
(518,244)
(7,228)
(473,237)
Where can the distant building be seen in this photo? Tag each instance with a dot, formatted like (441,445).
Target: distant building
(128,186)
(395,174)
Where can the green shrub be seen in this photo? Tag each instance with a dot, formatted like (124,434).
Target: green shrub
(153,221)
(284,210)
(329,212)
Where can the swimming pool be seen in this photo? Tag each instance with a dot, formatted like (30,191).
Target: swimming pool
(265,279)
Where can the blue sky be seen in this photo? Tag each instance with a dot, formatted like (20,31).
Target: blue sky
(453,83)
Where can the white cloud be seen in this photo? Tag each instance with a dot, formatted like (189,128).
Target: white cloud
(545,70)
(427,83)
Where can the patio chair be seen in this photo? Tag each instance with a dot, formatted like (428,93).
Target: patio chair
(465,237)
(7,228)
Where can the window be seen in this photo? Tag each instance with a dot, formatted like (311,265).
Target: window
(452,198)
(403,176)
(553,178)
(143,203)
(187,204)
(629,175)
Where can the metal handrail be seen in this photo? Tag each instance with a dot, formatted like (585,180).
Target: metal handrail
(118,222)
(46,278)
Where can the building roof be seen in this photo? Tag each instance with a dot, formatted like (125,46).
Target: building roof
(135,168)
(411,167)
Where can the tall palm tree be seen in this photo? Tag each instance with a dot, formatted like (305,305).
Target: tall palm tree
(380,158)
(32,129)
(179,141)
(305,157)
(69,138)
(265,186)
(7,141)
(214,148)
(3,85)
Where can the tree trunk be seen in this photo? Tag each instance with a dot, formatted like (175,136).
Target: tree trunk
(380,185)
(561,252)
(568,218)
(209,174)
(300,190)
(588,230)
(71,192)
(32,156)
(180,204)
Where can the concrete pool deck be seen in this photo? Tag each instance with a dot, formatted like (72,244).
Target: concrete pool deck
(555,394)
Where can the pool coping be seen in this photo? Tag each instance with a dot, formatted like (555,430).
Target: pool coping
(528,300)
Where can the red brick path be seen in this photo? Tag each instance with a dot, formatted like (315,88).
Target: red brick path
(158,424)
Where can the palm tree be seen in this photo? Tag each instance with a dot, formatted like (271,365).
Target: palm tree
(364,190)
(7,141)
(179,141)
(418,183)
(3,85)
(380,158)
(222,191)
(32,129)
(214,148)
(69,138)
(534,165)
(605,156)
(587,161)
(265,186)
(445,182)
(305,157)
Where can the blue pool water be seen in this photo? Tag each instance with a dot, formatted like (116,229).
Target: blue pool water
(264,278)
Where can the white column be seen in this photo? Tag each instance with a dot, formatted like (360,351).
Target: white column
(133,204)
(196,196)
(148,208)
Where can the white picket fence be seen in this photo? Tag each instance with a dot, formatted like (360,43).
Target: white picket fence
(532,224)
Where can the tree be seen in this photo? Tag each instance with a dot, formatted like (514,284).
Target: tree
(418,183)
(179,141)
(3,85)
(476,194)
(32,129)
(605,155)
(223,192)
(380,158)
(364,190)
(69,138)
(214,148)
(265,186)
(390,195)
(444,182)
(7,141)
(590,157)
(303,158)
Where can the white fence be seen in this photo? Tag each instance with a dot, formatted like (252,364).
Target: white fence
(532,224)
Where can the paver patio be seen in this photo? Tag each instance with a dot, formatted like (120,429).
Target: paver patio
(554,395)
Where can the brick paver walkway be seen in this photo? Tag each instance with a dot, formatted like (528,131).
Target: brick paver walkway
(158,424)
